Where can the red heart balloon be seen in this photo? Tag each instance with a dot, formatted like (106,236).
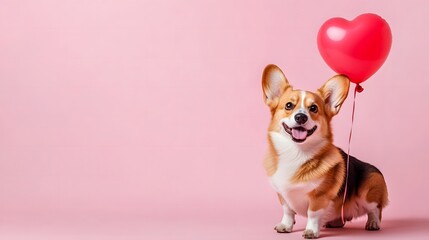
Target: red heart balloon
(355,48)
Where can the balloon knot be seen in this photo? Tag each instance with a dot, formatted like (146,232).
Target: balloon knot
(358,88)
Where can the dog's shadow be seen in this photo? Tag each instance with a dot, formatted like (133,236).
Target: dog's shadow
(404,228)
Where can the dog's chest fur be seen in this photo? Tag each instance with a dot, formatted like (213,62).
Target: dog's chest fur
(290,159)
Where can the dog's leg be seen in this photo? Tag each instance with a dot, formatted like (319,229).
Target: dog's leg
(288,219)
(376,199)
(314,221)
(316,213)
(336,223)
(374,219)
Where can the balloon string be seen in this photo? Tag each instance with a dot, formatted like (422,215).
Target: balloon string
(359,89)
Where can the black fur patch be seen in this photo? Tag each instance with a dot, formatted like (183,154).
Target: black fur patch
(358,172)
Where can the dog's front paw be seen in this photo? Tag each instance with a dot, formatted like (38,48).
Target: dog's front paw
(282,228)
(372,225)
(310,234)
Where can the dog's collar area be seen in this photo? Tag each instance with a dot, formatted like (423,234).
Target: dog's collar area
(299,134)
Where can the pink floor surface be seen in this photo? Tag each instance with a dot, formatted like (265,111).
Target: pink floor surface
(243,227)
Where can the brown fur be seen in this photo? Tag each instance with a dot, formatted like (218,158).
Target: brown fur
(271,160)
(375,189)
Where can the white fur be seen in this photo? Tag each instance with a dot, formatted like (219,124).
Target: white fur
(288,219)
(315,221)
(359,208)
(291,157)
(303,100)
(373,214)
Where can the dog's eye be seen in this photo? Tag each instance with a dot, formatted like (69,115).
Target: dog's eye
(289,106)
(313,108)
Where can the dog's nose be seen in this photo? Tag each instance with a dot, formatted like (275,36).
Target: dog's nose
(301,118)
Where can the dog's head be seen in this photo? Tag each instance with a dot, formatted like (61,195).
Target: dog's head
(302,116)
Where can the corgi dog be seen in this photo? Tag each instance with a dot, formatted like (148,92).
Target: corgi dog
(305,168)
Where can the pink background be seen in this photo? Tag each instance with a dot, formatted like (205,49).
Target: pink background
(145,120)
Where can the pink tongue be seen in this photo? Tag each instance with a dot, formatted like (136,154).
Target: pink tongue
(300,135)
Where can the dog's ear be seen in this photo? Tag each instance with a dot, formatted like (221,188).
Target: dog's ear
(334,92)
(274,83)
